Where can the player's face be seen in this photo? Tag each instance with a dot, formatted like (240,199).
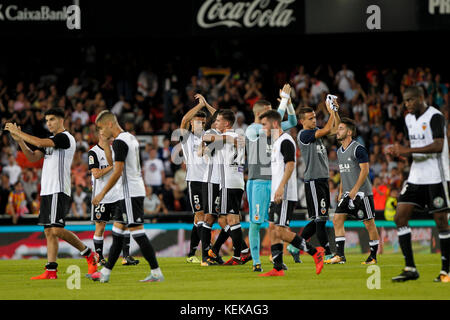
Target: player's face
(54,123)
(221,123)
(198,124)
(104,130)
(267,126)
(412,102)
(309,121)
(342,132)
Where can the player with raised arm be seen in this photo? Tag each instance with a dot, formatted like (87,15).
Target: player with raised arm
(259,172)
(428,181)
(355,192)
(126,165)
(314,154)
(195,167)
(231,156)
(284,195)
(58,151)
(100,159)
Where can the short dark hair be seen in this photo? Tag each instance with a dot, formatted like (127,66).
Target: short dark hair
(57,112)
(228,115)
(416,90)
(200,114)
(272,115)
(304,110)
(350,124)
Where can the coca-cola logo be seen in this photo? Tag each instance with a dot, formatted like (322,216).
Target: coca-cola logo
(247,14)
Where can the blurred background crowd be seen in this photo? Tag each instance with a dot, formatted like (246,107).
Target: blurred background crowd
(150,101)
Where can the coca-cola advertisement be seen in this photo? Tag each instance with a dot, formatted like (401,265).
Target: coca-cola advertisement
(248,16)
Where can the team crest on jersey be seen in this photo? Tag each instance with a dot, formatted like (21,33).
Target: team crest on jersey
(438,202)
(91,159)
(424,126)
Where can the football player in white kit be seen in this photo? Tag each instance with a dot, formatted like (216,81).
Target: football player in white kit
(428,181)
(231,157)
(284,195)
(195,167)
(126,165)
(57,151)
(100,159)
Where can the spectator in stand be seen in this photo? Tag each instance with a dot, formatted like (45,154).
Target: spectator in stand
(35,203)
(80,143)
(12,170)
(73,91)
(145,154)
(240,124)
(343,78)
(147,85)
(152,203)
(79,169)
(154,174)
(380,193)
(180,178)
(80,113)
(17,203)
(165,153)
(168,193)
(5,190)
(78,207)
(29,183)
(391,205)
(317,88)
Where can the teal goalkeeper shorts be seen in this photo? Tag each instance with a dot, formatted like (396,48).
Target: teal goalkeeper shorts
(258,195)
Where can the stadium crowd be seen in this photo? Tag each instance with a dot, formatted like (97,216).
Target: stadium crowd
(153,104)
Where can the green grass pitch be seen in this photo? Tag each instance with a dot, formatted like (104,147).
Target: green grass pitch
(185,281)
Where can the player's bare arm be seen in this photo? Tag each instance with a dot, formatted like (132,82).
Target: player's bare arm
(202,99)
(105,145)
(117,173)
(31,155)
(290,166)
(35,141)
(337,119)
(190,114)
(329,126)
(362,177)
(435,147)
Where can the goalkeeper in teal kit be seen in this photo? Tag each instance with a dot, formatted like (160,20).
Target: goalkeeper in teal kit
(259,172)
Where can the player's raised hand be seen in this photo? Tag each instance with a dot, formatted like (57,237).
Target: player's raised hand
(15,136)
(12,128)
(201,99)
(286,91)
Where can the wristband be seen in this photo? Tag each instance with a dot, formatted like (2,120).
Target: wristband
(284,95)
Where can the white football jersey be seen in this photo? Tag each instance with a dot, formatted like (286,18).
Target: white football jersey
(212,172)
(55,177)
(195,165)
(132,181)
(278,165)
(426,168)
(97,159)
(232,162)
